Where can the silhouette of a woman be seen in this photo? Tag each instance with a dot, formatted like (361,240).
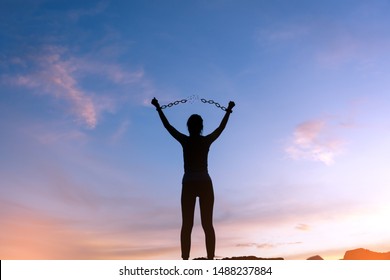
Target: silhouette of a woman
(196,180)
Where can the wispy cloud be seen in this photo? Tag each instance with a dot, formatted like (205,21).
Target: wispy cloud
(312,140)
(59,74)
(121,130)
(333,42)
(51,236)
(55,76)
(282,33)
(50,137)
(99,8)
(70,219)
(303,227)
(266,245)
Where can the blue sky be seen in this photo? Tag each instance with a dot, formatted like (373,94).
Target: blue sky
(88,171)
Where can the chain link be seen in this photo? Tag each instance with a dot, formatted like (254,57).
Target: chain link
(177,102)
(191,99)
(215,103)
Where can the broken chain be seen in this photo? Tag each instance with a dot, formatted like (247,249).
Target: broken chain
(213,102)
(192,99)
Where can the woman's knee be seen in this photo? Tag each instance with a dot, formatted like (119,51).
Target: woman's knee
(187,226)
(207,226)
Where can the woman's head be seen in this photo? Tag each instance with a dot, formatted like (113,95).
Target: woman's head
(195,125)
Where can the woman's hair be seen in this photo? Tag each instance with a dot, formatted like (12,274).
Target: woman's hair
(195,125)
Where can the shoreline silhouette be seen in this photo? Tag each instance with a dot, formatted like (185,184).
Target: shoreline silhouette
(355,254)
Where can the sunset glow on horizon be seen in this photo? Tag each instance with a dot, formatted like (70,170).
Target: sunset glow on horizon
(88,171)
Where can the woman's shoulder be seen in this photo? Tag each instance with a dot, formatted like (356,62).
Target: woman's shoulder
(195,139)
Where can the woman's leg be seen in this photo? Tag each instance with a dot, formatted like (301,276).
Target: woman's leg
(188,200)
(206,203)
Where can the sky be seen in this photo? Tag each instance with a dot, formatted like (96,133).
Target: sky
(88,171)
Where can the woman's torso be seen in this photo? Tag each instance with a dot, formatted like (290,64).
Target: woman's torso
(195,154)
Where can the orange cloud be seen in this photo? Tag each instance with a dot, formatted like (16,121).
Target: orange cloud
(303,227)
(29,233)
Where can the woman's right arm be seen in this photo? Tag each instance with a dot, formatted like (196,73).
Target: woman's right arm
(173,131)
(215,134)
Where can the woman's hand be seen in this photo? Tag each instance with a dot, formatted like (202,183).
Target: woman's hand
(231,105)
(155,103)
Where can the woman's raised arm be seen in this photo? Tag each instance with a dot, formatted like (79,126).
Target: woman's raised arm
(215,134)
(173,131)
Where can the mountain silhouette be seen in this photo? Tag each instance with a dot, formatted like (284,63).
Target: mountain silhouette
(364,254)
(245,258)
(315,258)
(252,258)
(356,254)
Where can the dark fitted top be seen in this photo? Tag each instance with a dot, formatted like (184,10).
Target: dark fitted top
(195,153)
(195,148)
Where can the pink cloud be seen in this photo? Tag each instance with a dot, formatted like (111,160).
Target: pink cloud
(54,76)
(59,75)
(312,140)
(266,245)
(307,132)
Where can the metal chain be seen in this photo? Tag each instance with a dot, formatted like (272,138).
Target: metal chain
(177,102)
(213,102)
(191,99)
